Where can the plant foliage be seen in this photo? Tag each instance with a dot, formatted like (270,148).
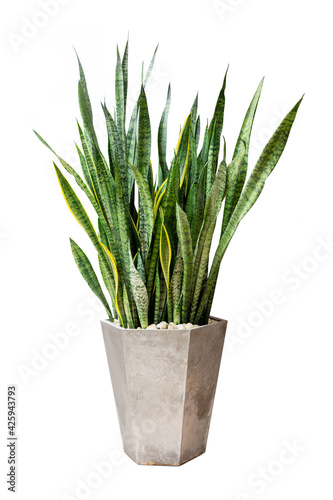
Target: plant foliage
(153,252)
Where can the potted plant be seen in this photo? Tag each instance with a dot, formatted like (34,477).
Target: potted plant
(163,348)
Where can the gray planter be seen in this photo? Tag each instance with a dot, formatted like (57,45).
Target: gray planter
(164,385)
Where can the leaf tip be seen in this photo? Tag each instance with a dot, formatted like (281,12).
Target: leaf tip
(56,170)
(78,59)
(297,105)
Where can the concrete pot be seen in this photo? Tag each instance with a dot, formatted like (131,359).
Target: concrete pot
(164,385)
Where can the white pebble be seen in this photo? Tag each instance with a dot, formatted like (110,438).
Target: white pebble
(188,326)
(139,328)
(172,326)
(181,326)
(163,325)
(116,321)
(151,327)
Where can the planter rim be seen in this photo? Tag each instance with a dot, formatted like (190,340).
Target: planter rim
(123,329)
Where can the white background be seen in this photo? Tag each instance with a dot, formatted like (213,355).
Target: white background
(275,383)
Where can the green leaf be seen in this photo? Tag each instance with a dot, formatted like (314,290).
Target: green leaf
(131,135)
(212,209)
(176,286)
(235,166)
(108,279)
(118,286)
(76,208)
(131,150)
(124,232)
(201,254)
(263,168)
(84,187)
(194,109)
(162,140)
(125,77)
(218,117)
(90,167)
(244,137)
(144,136)
(169,200)
(89,275)
(138,262)
(70,170)
(194,182)
(197,133)
(100,176)
(157,300)
(152,261)
(202,158)
(150,68)
(127,308)
(210,166)
(146,221)
(266,163)
(139,292)
(200,200)
(165,254)
(183,148)
(184,235)
(164,302)
(120,104)
(84,167)
(159,196)
(82,218)
(102,235)
(85,105)
(115,142)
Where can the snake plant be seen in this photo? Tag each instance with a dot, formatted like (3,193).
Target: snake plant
(153,252)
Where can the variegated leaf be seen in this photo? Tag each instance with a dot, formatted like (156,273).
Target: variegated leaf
(89,275)
(139,292)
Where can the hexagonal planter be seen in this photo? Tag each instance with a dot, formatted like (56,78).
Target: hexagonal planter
(164,384)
